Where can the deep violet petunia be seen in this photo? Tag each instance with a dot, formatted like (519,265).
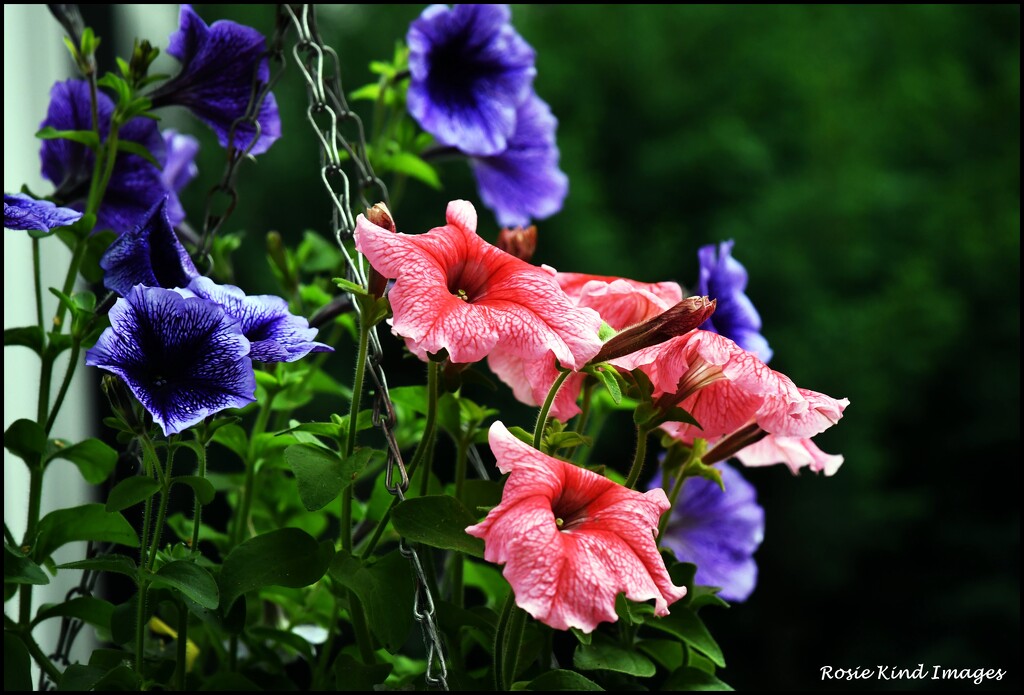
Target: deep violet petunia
(182,356)
(453,291)
(572,540)
(135,186)
(276,334)
(723,278)
(523,182)
(717,530)
(150,255)
(23,212)
(469,72)
(218,65)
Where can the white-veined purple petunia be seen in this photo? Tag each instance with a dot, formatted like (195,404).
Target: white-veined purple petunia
(218,64)
(276,334)
(23,212)
(150,254)
(717,530)
(182,356)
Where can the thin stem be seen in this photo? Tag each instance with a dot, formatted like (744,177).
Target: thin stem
(638,457)
(197,514)
(499,641)
(140,624)
(38,285)
(350,439)
(458,559)
(426,444)
(39,655)
(35,496)
(161,514)
(542,416)
(77,255)
(76,349)
(359,625)
(181,655)
(248,487)
(513,643)
(45,377)
(588,394)
(696,452)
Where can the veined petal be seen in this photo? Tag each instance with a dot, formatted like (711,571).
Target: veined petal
(795,452)
(23,212)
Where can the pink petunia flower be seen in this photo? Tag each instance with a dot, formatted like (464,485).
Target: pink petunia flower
(795,452)
(621,302)
(572,540)
(453,291)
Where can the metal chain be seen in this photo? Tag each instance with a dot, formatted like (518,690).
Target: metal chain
(328,109)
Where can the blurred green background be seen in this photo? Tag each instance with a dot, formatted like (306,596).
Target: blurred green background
(866,160)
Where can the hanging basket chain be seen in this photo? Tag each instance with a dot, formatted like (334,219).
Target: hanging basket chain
(327,110)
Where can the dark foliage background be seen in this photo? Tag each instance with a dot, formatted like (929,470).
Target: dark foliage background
(867,163)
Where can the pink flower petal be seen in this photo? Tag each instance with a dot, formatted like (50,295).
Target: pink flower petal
(455,292)
(621,302)
(795,452)
(572,540)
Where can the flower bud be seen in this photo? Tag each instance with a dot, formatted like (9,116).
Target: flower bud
(518,241)
(380,216)
(680,319)
(122,403)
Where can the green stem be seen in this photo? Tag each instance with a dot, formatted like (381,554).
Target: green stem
(542,416)
(140,624)
(35,496)
(38,285)
(426,444)
(350,439)
(39,655)
(45,378)
(499,641)
(181,655)
(458,559)
(76,349)
(597,418)
(248,487)
(588,393)
(197,514)
(359,625)
(161,514)
(514,642)
(638,457)
(696,452)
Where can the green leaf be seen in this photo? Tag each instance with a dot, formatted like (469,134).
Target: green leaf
(609,657)
(693,679)
(191,580)
(203,488)
(234,438)
(321,474)
(80,678)
(90,522)
(555,441)
(85,137)
(699,596)
(562,680)
(25,439)
(27,336)
(385,589)
(130,492)
(19,569)
(119,564)
(352,674)
(96,246)
(521,434)
(368,92)
(94,611)
(610,378)
(667,652)
(17,664)
(95,461)
(581,636)
(137,149)
(284,557)
(686,625)
(350,286)
(411,165)
(678,414)
(439,521)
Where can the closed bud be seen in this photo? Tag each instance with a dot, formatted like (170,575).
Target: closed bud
(122,403)
(518,241)
(682,318)
(380,216)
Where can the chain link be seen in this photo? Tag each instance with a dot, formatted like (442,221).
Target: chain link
(328,113)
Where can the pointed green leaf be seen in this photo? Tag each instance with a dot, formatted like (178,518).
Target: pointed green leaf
(90,522)
(203,488)
(610,378)
(191,580)
(17,665)
(19,569)
(562,680)
(609,657)
(119,564)
(89,609)
(130,492)
(27,336)
(89,138)
(321,474)
(95,460)
(686,625)
(137,149)
(409,164)
(284,557)
(25,439)
(439,521)
(385,589)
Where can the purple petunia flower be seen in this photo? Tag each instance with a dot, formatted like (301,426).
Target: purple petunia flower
(717,531)
(25,212)
(150,254)
(724,279)
(218,63)
(470,71)
(180,168)
(182,356)
(135,185)
(524,183)
(276,334)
